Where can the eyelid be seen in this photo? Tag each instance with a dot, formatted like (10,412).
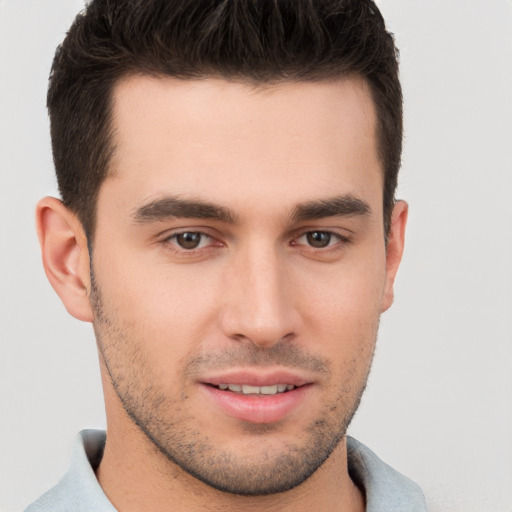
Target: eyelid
(172,232)
(326,225)
(341,233)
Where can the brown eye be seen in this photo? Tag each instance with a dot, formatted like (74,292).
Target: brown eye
(318,239)
(189,240)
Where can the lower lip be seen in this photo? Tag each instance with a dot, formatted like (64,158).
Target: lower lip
(258,408)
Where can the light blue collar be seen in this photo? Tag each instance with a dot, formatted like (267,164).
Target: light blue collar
(386,490)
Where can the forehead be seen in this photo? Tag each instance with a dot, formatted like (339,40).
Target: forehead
(224,140)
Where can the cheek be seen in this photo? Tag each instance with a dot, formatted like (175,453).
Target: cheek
(160,305)
(349,291)
(342,308)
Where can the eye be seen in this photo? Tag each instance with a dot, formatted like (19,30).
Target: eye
(319,239)
(190,240)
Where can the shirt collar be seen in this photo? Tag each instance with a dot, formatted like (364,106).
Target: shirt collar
(385,489)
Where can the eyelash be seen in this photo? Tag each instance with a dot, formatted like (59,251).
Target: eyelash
(337,244)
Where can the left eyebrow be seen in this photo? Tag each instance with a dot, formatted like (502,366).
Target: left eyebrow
(340,206)
(175,207)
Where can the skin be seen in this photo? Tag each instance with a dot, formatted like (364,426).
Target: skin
(260,293)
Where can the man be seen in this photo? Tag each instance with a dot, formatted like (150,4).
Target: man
(228,225)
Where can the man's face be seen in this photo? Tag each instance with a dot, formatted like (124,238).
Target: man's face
(240,271)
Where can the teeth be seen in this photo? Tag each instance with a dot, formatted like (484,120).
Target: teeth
(246,389)
(268,390)
(250,390)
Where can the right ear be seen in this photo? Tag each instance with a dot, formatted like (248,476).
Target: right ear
(65,256)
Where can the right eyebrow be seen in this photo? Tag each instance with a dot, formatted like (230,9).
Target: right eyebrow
(169,207)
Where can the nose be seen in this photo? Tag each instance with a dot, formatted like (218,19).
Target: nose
(258,301)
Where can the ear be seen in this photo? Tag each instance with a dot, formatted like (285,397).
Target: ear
(394,250)
(65,256)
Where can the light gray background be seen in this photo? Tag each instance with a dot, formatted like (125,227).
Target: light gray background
(439,402)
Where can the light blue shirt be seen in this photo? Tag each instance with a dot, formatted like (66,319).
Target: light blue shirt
(386,490)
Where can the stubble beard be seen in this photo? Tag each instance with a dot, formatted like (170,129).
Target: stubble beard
(166,423)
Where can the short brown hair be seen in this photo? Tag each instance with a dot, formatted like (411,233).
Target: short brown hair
(261,41)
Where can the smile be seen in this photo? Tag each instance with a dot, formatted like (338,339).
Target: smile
(247,389)
(258,399)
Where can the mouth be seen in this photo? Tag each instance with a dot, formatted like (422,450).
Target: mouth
(258,398)
(248,389)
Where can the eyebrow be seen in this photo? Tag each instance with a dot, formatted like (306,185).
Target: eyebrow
(340,206)
(170,207)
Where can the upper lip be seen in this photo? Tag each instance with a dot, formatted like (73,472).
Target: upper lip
(257,377)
